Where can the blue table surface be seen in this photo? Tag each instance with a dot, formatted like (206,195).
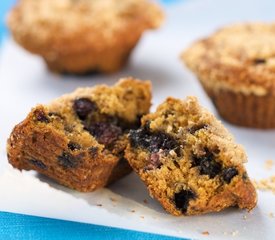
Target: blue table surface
(18,226)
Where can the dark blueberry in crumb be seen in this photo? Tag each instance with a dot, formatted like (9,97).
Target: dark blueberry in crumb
(41,116)
(105,133)
(152,141)
(207,164)
(161,140)
(38,164)
(139,137)
(93,151)
(176,164)
(229,173)
(73,146)
(259,61)
(182,199)
(196,128)
(154,162)
(67,160)
(244,176)
(83,106)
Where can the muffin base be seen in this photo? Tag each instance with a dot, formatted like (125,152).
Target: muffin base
(244,110)
(108,61)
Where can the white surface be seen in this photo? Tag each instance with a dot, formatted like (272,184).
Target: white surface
(25,82)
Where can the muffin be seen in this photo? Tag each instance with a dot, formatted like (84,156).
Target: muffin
(236,67)
(189,161)
(79,139)
(82,36)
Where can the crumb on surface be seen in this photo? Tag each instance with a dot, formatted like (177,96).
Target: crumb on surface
(206,233)
(268,164)
(113,199)
(99,205)
(235,233)
(271,215)
(267,184)
(145,201)
(142,217)
(133,211)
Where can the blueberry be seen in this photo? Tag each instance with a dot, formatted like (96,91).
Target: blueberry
(105,133)
(196,128)
(152,141)
(83,107)
(207,164)
(154,162)
(41,116)
(182,199)
(229,173)
(93,151)
(259,61)
(67,160)
(38,164)
(73,146)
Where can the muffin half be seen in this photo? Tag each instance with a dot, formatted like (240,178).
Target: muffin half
(189,161)
(79,139)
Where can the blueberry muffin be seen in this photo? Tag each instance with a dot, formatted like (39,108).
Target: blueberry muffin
(79,139)
(82,36)
(236,67)
(189,161)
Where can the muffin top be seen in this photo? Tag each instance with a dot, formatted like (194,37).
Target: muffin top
(239,57)
(101,22)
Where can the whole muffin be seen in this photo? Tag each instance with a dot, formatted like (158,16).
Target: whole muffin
(236,66)
(82,36)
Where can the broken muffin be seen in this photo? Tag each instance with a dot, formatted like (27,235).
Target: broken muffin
(189,161)
(79,139)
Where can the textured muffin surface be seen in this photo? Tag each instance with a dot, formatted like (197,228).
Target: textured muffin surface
(79,139)
(236,66)
(239,57)
(188,160)
(88,35)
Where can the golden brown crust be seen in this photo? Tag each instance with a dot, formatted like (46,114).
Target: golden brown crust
(54,141)
(88,35)
(202,172)
(238,58)
(244,110)
(236,67)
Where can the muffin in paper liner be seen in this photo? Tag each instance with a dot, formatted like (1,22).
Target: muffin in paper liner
(236,66)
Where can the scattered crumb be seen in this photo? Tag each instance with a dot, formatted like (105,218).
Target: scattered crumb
(99,205)
(267,184)
(142,217)
(145,201)
(133,211)
(271,215)
(206,233)
(224,233)
(113,199)
(268,164)
(235,233)
(244,217)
